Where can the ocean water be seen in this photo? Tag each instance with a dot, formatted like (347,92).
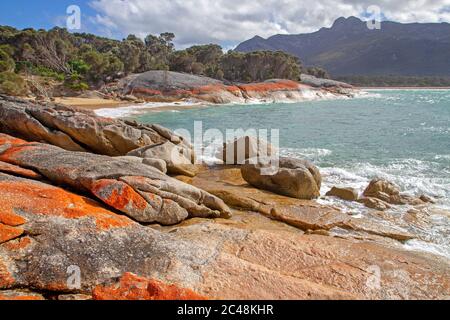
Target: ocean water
(400,135)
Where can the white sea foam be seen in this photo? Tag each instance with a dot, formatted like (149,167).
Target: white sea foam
(442,156)
(414,177)
(366,94)
(309,153)
(422,246)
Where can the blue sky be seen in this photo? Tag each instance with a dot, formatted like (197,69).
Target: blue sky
(227,22)
(38,14)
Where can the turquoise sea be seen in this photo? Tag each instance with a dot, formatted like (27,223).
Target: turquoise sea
(400,135)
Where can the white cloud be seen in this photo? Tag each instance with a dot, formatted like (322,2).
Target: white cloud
(229,22)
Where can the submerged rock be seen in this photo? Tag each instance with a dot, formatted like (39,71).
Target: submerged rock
(291,177)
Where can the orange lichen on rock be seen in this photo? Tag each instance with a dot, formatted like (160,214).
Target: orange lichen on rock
(132,287)
(18,244)
(11,219)
(8,233)
(35,198)
(10,155)
(15,296)
(18,171)
(5,139)
(147,91)
(118,195)
(282,85)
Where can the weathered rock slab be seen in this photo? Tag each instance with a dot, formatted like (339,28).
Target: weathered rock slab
(79,130)
(139,191)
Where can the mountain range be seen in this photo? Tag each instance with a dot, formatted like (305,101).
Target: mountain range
(350,48)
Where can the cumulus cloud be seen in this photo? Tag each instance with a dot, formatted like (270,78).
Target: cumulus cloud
(229,22)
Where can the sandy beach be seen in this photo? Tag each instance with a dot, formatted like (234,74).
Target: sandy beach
(91,103)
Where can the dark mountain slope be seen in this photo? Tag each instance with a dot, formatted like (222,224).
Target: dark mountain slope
(350,48)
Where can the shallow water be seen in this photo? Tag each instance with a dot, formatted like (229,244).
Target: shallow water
(400,135)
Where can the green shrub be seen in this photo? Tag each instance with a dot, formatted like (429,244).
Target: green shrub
(75,82)
(7,64)
(12,84)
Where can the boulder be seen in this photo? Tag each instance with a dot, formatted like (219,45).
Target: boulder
(138,190)
(348,194)
(179,160)
(379,188)
(293,178)
(389,193)
(245,148)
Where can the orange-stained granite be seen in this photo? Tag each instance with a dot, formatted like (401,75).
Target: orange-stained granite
(10,218)
(118,195)
(5,139)
(43,199)
(8,233)
(20,297)
(132,287)
(11,154)
(18,244)
(18,171)
(283,85)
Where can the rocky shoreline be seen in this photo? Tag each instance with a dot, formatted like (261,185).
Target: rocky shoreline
(106,197)
(166,86)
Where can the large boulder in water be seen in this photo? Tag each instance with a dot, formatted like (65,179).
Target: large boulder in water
(293,177)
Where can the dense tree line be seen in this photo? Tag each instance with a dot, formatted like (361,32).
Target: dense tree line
(82,61)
